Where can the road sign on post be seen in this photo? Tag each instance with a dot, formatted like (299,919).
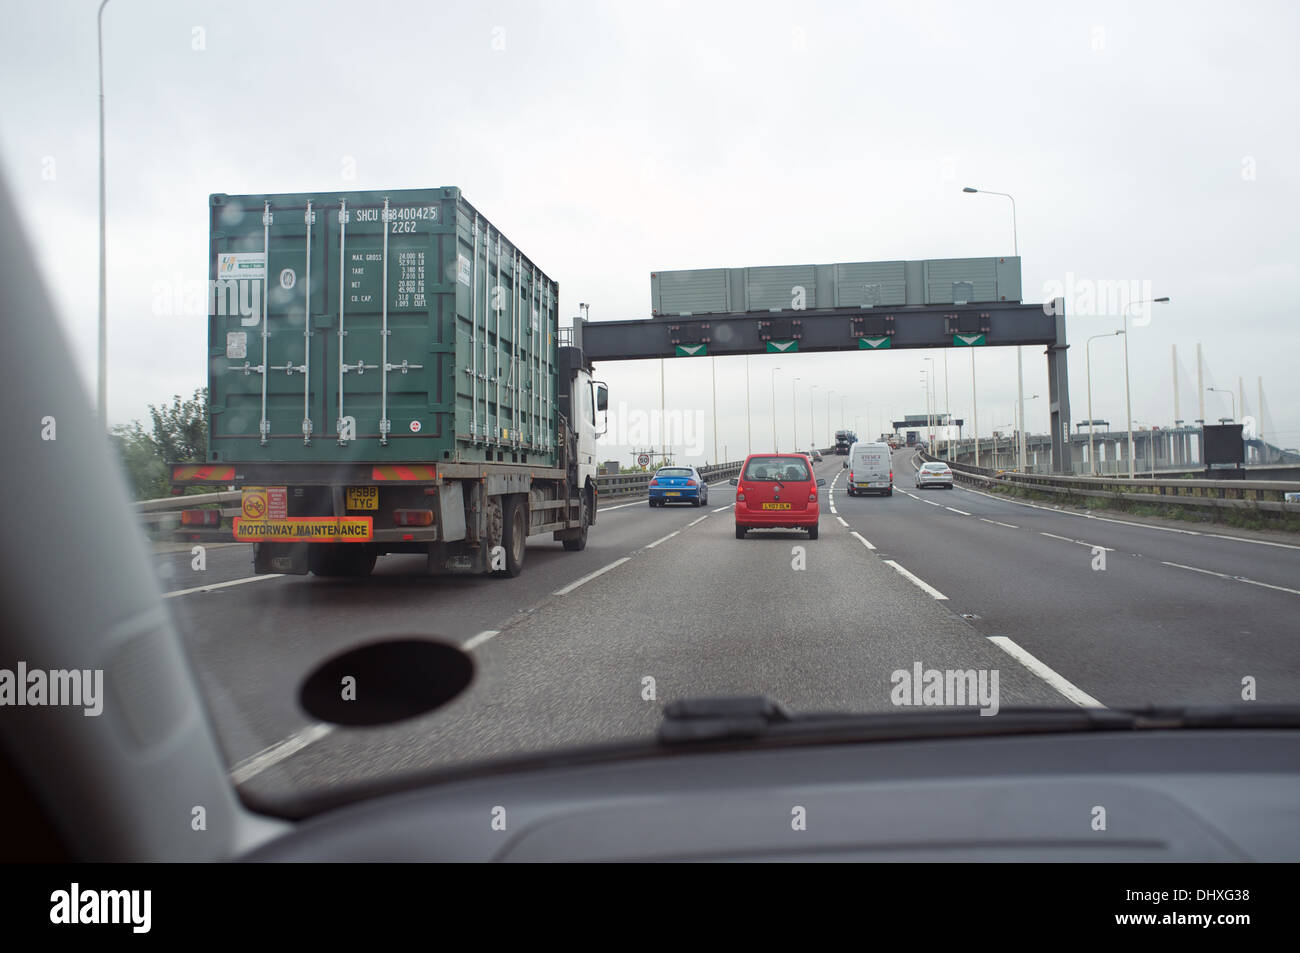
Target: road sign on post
(643,460)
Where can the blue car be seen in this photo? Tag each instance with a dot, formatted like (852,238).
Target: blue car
(678,485)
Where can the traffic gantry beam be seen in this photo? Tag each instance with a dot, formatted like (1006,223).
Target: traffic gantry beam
(993,324)
(833,329)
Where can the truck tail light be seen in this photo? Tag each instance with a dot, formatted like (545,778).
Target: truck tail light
(200,517)
(413,517)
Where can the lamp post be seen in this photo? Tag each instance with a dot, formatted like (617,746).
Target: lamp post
(1231,396)
(749,417)
(812,424)
(103,253)
(774,370)
(794,415)
(1087,348)
(1020,363)
(1128,400)
(830,431)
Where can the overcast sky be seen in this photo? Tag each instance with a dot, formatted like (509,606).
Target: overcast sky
(1155,146)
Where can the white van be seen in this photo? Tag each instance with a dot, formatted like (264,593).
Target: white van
(871,469)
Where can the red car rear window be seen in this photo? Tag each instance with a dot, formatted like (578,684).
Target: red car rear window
(785,469)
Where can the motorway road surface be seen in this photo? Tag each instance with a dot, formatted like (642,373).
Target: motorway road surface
(953,579)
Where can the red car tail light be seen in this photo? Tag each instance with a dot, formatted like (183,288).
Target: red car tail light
(812,497)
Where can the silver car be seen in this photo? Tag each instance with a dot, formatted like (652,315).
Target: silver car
(934,474)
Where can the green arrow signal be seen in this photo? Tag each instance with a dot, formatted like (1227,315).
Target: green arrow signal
(874,344)
(967,340)
(691,350)
(782,347)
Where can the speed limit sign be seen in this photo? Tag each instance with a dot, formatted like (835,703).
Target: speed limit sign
(643,460)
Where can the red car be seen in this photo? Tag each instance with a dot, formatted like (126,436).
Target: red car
(777,490)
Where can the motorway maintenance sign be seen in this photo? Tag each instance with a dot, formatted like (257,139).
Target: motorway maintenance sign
(782,347)
(968,340)
(874,344)
(691,350)
(306,529)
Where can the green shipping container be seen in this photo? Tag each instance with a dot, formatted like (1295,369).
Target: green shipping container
(376,327)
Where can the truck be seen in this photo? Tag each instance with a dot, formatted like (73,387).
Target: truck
(387,374)
(844,439)
(913,437)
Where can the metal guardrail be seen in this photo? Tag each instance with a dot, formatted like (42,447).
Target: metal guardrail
(1265,495)
(164,513)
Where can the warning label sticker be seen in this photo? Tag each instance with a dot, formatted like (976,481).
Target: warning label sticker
(306,529)
(252,504)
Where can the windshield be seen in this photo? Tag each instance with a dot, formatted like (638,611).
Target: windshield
(399,335)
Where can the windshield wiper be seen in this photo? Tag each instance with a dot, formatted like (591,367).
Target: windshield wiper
(743,718)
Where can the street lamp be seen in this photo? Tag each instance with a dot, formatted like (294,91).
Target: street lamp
(1021,429)
(103,255)
(1220,390)
(929,404)
(1020,363)
(1128,400)
(830,431)
(749,417)
(794,415)
(812,424)
(774,370)
(1087,349)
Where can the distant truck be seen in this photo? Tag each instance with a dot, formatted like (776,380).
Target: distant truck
(387,375)
(844,439)
(913,437)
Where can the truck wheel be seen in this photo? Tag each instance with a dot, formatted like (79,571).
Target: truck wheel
(513,535)
(579,544)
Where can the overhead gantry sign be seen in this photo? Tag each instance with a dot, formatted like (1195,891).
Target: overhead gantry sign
(991,324)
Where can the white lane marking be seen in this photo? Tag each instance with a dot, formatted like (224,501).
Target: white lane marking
(1078,541)
(1063,685)
(1261,542)
(222,585)
(727,507)
(841,519)
(1104,519)
(865,542)
(1224,575)
(479,639)
(693,522)
(590,576)
(931,502)
(662,539)
(834,510)
(955,510)
(251,767)
(918,581)
(602,509)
